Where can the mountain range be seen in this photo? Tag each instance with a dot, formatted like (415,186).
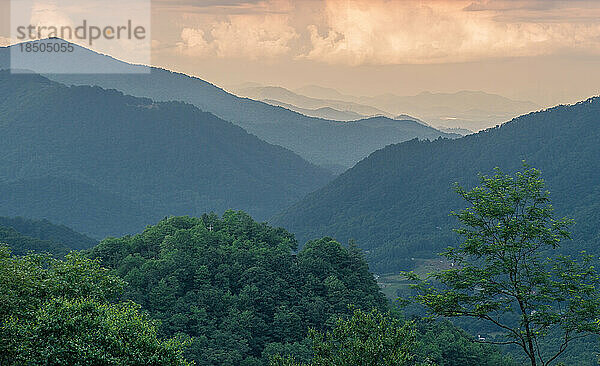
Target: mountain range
(396,203)
(332,144)
(323,112)
(105,163)
(473,110)
(278,95)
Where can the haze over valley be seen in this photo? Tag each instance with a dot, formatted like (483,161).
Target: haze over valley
(470,110)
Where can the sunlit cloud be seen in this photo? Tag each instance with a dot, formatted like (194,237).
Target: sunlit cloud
(411,32)
(253,37)
(48,14)
(383,32)
(535,11)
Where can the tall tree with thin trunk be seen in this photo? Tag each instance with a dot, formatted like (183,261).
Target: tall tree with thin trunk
(507,271)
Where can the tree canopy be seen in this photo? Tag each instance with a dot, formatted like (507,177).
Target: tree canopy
(65,312)
(236,287)
(234,291)
(374,338)
(364,339)
(507,272)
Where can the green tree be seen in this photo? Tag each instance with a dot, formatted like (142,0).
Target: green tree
(506,272)
(367,338)
(65,312)
(236,287)
(87,332)
(447,345)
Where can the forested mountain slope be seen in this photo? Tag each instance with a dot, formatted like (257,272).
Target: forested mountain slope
(323,142)
(24,235)
(107,163)
(396,203)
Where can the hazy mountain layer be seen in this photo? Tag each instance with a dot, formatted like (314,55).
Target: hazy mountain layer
(324,113)
(323,142)
(474,110)
(287,96)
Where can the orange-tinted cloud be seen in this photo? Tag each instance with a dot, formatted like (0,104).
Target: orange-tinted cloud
(249,29)
(253,37)
(382,32)
(415,32)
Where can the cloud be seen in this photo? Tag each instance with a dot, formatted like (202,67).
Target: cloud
(536,11)
(4,41)
(253,37)
(193,42)
(500,5)
(229,7)
(382,32)
(424,32)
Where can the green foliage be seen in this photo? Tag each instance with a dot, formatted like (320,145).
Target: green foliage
(236,287)
(84,332)
(106,163)
(506,271)
(366,338)
(229,288)
(395,203)
(369,337)
(22,244)
(55,312)
(444,344)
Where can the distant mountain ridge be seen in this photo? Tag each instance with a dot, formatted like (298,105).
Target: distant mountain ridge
(473,110)
(396,202)
(323,142)
(105,163)
(282,95)
(324,112)
(460,131)
(320,92)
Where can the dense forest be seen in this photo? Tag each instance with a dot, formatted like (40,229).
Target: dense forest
(68,312)
(396,202)
(106,163)
(217,290)
(235,286)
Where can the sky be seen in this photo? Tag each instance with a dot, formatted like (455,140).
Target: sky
(545,51)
